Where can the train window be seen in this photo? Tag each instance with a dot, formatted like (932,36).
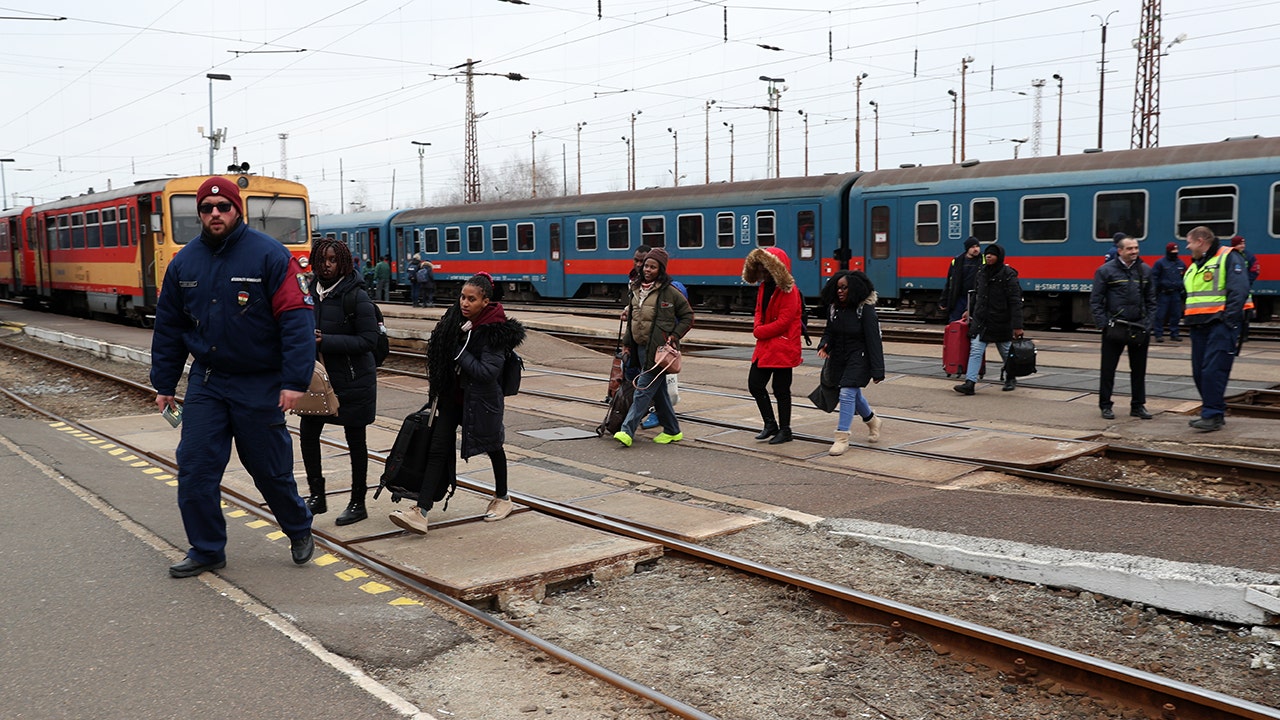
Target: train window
(1044,218)
(524,237)
(431,241)
(805,233)
(51,233)
(928,228)
(110,236)
(283,218)
(653,231)
(880,225)
(453,240)
(553,232)
(475,238)
(92,231)
(724,229)
(689,231)
(983,222)
(77,231)
(586,230)
(1214,206)
(619,234)
(184,220)
(1115,212)
(766,232)
(124,213)
(1275,209)
(501,242)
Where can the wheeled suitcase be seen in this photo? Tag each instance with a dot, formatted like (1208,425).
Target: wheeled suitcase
(955,349)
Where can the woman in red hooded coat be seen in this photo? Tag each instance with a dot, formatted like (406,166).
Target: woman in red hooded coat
(777,328)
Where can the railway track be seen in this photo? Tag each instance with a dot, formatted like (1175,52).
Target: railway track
(1019,661)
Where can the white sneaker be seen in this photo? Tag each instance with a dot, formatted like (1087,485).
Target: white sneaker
(498,509)
(412,520)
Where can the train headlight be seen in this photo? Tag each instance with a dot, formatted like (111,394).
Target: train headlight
(304,261)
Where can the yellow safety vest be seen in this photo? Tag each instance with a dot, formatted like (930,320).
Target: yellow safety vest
(1206,287)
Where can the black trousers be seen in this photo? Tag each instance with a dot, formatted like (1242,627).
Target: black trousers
(442,460)
(757,379)
(1111,351)
(309,428)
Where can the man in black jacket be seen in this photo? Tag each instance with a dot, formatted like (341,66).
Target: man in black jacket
(960,278)
(996,315)
(1123,302)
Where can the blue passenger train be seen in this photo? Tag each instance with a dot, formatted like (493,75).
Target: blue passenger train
(1056,217)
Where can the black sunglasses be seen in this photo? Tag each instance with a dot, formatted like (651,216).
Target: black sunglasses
(223,207)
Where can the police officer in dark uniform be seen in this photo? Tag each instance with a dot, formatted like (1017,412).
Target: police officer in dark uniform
(236,301)
(1217,284)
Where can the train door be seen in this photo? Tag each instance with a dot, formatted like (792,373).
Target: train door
(42,245)
(805,260)
(554,233)
(137,234)
(876,250)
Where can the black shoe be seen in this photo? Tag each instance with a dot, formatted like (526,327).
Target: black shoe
(354,513)
(1010,382)
(191,567)
(302,549)
(318,504)
(1208,424)
(964,388)
(1175,338)
(1139,411)
(1108,414)
(1159,339)
(783,436)
(770,429)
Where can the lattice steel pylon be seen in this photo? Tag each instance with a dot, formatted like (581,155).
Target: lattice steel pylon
(1146,89)
(1037,117)
(471,155)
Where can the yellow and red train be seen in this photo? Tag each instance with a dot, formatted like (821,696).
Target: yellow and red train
(106,252)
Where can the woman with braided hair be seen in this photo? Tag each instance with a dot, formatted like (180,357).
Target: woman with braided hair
(465,357)
(346,333)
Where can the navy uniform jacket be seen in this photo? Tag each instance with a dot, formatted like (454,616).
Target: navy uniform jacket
(1126,293)
(242,308)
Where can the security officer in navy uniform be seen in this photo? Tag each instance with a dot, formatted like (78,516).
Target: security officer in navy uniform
(235,300)
(1217,286)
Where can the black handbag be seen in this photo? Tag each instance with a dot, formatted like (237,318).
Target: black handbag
(1022,358)
(825,397)
(1124,331)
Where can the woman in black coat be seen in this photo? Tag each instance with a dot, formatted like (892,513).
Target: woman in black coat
(853,351)
(465,358)
(995,317)
(346,333)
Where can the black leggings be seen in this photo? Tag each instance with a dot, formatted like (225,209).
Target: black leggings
(757,378)
(442,461)
(309,428)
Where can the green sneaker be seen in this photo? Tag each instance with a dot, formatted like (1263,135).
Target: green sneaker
(664,438)
(623,438)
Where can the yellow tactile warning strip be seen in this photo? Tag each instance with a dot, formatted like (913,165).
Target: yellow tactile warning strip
(273,533)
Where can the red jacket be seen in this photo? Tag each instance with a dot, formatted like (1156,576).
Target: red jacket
(778,326)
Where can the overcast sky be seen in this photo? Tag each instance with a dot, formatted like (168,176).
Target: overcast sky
(116,92)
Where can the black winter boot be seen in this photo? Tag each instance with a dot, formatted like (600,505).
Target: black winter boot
(783,436)
(770,429)
(354,513)
(316,500)
(964,388)
(1010,382)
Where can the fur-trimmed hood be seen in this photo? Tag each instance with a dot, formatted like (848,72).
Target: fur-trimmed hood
(770,262)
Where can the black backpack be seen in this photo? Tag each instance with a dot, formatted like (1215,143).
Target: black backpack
(382,348)
(512,369)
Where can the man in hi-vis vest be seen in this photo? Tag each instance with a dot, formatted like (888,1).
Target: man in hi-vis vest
(1217,286)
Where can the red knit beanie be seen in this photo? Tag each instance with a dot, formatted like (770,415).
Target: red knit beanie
(220,188)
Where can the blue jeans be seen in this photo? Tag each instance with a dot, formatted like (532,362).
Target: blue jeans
(852,400)
(651,391)
(978,351)
(413,292)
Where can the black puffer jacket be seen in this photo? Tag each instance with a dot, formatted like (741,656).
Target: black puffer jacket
(997,301)
(853,344)
(464,367)
(346,348)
